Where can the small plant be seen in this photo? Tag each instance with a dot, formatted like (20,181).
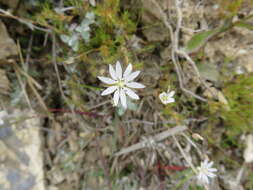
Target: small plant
(81,31)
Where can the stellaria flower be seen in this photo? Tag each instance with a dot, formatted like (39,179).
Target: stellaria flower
(167,97)
(205,171)
(120,84)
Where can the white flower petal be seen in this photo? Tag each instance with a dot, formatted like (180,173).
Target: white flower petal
(112,72)
(116,97)
(206,172)
(132,76)
(163,97)
(200,176)
(131,94)
(171,94)
(118,70)
(123,98)
(107,80)
(170,100)
(205,162)
(209,165)
(212,170)
(109,90)
(135,85)
(211,175)
(162,94)
(205,179)
(128,70)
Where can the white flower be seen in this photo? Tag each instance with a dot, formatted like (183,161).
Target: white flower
(205,172)
(248,152)
(120,84)
(3,115)
(167,97)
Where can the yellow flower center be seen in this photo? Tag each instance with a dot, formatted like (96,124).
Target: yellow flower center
(165,98)
(121,83)
(203,170)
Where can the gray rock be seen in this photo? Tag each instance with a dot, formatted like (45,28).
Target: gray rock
(8,47)
(21,165)
(12,4)
(151,16)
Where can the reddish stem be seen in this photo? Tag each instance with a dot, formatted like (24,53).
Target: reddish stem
(172,168)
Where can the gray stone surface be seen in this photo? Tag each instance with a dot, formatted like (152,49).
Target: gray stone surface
(8,46)
(21,164)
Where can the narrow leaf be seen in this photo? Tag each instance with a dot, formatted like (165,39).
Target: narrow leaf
(199,40)
(245,25)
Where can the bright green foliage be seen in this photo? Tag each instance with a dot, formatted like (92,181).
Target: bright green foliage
(245,25)
(197,187)
(230,8)
(238,116)
(249,184)
(109,11)
(51,19)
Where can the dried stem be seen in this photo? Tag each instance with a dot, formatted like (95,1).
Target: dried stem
(175,52)
(184,155)
(159,137)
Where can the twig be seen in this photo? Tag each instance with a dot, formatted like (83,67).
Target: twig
(189,59)
(159,137)
(32,80)
(55,64)
(193,144)
(31,83)
(23,88)
(29,50)
(24,21)
(174,36)
(184,155)
(98,105)
(22,84)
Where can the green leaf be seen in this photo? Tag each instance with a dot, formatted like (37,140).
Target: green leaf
(120,110)
(131,105)
(245,25)
(64,38)
(199,40)
(86,36)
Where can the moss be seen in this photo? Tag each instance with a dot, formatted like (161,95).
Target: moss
(239,93)
(237,115)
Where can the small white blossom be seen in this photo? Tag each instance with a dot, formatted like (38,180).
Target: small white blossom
(1,121)
(248,152)
(3,115)
(120,84)
(206,172)
(167,97)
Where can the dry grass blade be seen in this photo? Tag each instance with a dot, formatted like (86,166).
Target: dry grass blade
(159,137)
(28,23)
(31,82)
